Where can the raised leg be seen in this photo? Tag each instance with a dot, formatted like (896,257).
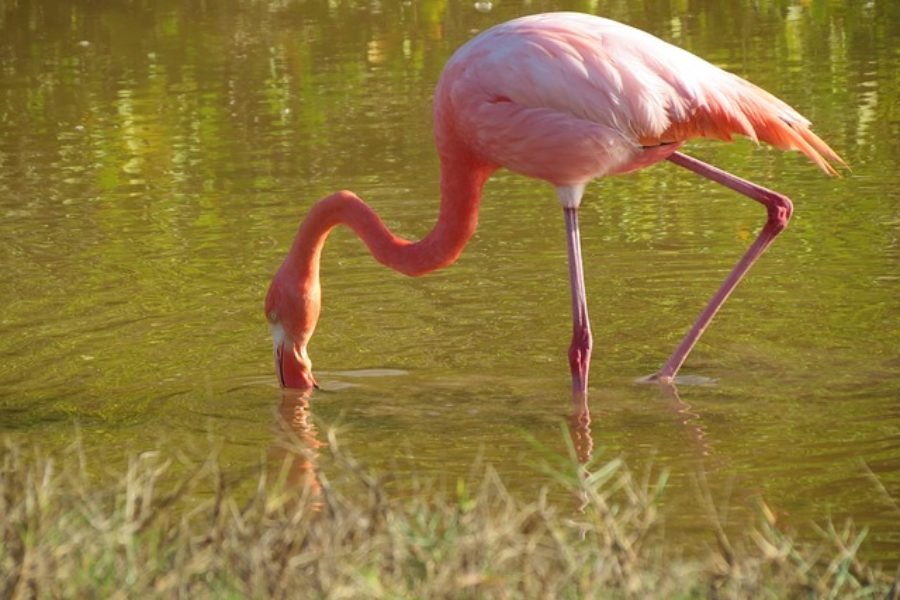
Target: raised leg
(582,341)
(779,210)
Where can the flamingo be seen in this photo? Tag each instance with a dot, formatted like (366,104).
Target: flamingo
(565,98)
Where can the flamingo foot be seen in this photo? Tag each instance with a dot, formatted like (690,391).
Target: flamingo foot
(668,380)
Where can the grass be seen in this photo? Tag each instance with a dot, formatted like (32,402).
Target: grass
(163,530)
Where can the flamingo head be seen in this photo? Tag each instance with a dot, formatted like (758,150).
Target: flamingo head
(292,315)
(292,364)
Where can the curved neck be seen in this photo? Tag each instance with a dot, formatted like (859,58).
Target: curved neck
(461,185)
(293,301)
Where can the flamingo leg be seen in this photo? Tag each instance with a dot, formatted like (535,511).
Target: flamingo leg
(582,341)
(779,209)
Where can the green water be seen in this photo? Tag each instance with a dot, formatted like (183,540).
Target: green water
(156,157)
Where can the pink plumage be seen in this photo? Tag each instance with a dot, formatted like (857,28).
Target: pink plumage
(566,98)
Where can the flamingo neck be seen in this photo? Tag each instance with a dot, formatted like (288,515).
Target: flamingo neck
(295,295)
(461,186)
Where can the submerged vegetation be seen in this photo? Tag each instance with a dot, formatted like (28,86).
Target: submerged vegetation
(161,530)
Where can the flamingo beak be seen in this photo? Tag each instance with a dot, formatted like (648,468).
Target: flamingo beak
(291,364)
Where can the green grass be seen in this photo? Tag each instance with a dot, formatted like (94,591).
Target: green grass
(163,530)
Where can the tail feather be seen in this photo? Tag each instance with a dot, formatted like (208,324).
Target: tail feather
(821,147)
(788,133)
(751,111)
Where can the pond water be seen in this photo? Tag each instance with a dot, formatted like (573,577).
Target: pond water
(156,158)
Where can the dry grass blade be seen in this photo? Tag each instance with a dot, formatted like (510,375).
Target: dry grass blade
(150,534)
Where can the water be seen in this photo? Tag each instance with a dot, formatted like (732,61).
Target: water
(155,160)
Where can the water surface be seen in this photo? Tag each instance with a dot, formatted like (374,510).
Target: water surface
(156,157)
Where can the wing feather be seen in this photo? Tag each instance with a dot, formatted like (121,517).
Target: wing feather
(611,79)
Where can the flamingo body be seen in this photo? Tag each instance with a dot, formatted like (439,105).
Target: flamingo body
(566,98)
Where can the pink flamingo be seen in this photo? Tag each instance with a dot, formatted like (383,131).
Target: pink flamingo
(566,98)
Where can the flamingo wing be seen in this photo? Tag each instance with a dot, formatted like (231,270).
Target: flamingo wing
(567,97)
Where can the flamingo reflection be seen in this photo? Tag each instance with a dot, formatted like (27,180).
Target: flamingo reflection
(580,428)
(687,419)
(297,444)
